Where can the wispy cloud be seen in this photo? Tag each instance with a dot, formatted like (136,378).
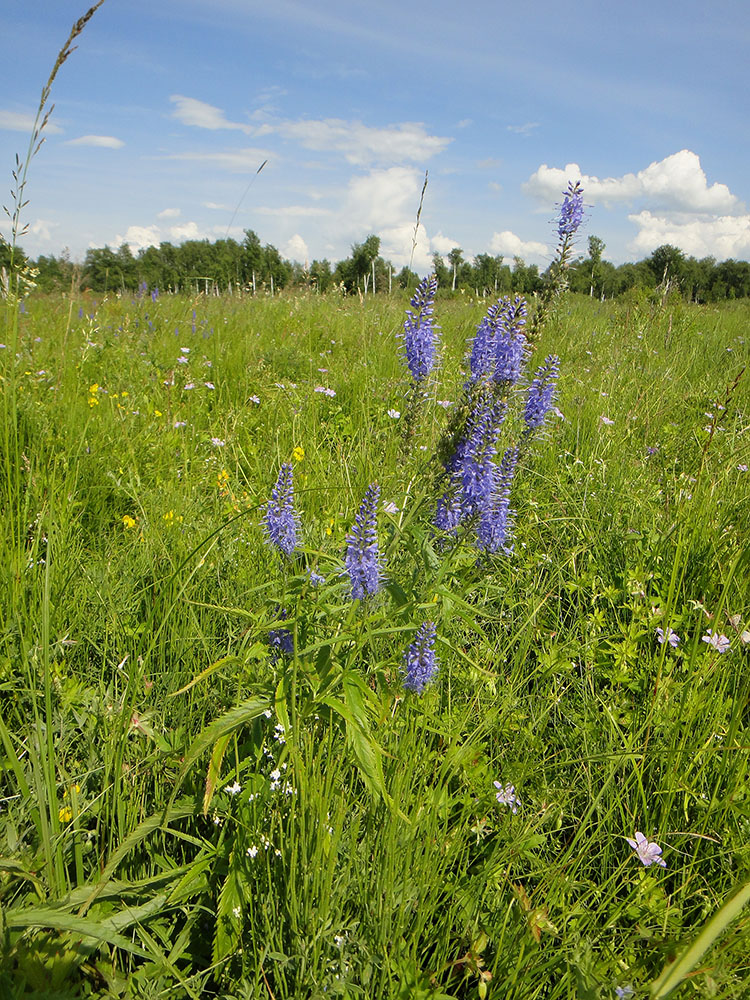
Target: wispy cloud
(17,121)
(292,210)
(525,129)
(102,141)
(238,161)
(168,213)
(362,144)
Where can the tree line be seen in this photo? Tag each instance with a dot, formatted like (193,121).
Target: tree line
(227,265)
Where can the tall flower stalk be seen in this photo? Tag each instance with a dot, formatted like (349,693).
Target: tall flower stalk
(568,222)
(281,519)
(420,666)
(362,556)
(420,345)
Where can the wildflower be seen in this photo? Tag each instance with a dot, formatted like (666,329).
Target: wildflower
(315,578)
(281,643)
(236,911)
(128,521)
(420,341)
(252,851)
(718,641)
(506,796)
(742,468)
(445,403)
(65,814)
(298,454)
(178,424)
(182,360)
(606,421)
(541,393)
(326,392)
(390,508)
(648,852)
(496,517)
(185,350)
(571,211)
(669,636)
(217,442)
(254,399)
(209,385)
(394,414)
(624,992)
(233,789)
(420,665)
(282,520)
(157,413)
(362,547)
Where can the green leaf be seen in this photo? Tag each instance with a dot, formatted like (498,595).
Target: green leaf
(214,770)
(228,914)
(81,926)
(674,973)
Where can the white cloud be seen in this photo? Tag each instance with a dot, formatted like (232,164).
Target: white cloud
(139,237)
(360,143)
(443,244)
(296,249)
(168,213)
(290,210)
(101,141)
(238,161)
(382,199)
(186,231)
(216,206)
(676,183)
(190,111)
(510,245)
(720,237)
(17,121)
(42,229)
(526,129)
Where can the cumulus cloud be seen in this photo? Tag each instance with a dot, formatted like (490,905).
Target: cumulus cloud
(362,144)
(17,121)
(198,114)
(510,245)
(721,237)
(186,231)
(676,183)
(42,229)
(382,199)
(139,237)
(101,141)
(443,244)
(296,249)
(168,213)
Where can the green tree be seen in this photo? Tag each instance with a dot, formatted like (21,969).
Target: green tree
(455,258)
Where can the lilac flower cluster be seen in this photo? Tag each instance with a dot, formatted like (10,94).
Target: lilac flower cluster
(571,211)
(362,547)
(496,517)
(420,339)
(282,520)
(420,665)
(541,393)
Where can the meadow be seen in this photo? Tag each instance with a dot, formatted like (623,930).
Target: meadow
(215,781)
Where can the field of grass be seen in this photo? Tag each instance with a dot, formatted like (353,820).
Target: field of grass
(213,781)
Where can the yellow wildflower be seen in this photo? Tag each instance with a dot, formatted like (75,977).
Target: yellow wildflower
(65,814)
(128,521)
(298,454)
(169,516)
(157,413)
(93,389)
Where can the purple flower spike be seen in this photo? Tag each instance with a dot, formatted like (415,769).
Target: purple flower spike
(498,348)
(496,518)
(420,340)
(282,521)
(420,664)
(362,547)
(541,393)
(571,211)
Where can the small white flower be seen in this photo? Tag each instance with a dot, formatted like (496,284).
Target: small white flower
(209,385)
(217,442)
(185,350)
(394,414)
(252,851)
(648,852)
(233,789)
(236,911)
(267,712)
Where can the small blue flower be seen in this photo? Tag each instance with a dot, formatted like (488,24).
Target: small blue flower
(282,520)
(420,665)
(280,640)
(420,340)
(362,547)
(541,393)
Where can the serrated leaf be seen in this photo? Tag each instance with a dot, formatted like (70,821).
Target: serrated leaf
(228,915)
(214,770)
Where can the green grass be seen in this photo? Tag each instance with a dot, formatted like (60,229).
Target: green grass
(138,593)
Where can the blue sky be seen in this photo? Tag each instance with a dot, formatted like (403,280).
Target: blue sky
(167,109)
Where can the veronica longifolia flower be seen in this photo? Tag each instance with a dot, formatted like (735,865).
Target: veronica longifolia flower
(281,520)
(420,339)
(496,517)
(571,211)
(420,663)
(473,464)
(497,351)
(362,547)
(541,393)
